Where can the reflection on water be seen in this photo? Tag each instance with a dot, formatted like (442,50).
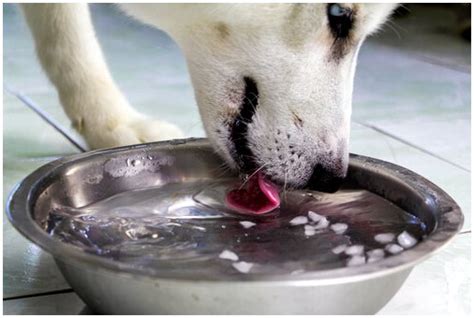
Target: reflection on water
(185,227)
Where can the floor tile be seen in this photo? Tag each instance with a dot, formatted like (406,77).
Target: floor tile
(59,304)
(26,135)
(28,143)
(430,33)
(440,285)
(427,105)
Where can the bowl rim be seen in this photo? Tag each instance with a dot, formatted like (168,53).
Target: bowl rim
(449,223)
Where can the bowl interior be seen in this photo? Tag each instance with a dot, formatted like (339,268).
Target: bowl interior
(82,180)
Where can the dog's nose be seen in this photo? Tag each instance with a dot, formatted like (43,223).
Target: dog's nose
(325,180)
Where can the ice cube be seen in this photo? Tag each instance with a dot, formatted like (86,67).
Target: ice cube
(394,248)
(247,224)
(309,230)
(356,260)
(242,267)
(226,254)
(355,250)
(406,240)
(339,249)
(384,238)
(315,217)
(299,220)
(322,224)
(375,255)
(339,228)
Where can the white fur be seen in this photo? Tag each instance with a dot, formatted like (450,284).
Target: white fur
(285,48)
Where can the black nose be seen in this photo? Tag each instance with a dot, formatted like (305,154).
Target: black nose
(325,180)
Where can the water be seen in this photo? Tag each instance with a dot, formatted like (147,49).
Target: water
(185,227)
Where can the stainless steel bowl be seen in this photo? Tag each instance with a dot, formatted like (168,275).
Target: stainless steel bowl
(112,287)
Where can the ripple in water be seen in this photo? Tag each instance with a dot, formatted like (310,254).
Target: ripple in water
(185,227)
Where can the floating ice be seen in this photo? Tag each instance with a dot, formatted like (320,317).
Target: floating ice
(394,248)
(315,217)
(339,249)
(299,220)
(322,224)
(247,224)
(356,260)
(355,250)
(226,254)
(375,255)
(309,230)
(406,240)
(242,267)
(384,238)
(339,228)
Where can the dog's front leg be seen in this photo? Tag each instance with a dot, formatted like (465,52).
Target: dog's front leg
(72,58)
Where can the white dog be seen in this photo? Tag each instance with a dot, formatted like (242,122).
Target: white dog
(273,81)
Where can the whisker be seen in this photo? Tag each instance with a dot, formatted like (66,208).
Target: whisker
(256,171)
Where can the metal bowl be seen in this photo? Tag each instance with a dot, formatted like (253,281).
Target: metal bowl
(113,287)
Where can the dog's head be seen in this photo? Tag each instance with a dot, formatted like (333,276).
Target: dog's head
(274,82)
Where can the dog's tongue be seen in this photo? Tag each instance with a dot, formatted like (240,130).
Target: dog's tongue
(258,196)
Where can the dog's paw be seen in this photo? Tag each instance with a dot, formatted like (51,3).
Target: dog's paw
(135,131)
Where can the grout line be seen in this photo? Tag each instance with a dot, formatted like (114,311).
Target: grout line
(384,132)
(439,62)
(54,292)
(45,116)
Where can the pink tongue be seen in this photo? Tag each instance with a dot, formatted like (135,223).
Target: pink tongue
(258,196)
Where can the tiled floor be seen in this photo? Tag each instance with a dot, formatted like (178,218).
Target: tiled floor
(411,107)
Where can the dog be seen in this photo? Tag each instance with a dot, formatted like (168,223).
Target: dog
(273,81)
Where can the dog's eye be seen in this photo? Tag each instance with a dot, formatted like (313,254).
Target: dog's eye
(340,20)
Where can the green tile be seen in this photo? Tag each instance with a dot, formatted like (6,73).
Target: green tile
(440,285)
